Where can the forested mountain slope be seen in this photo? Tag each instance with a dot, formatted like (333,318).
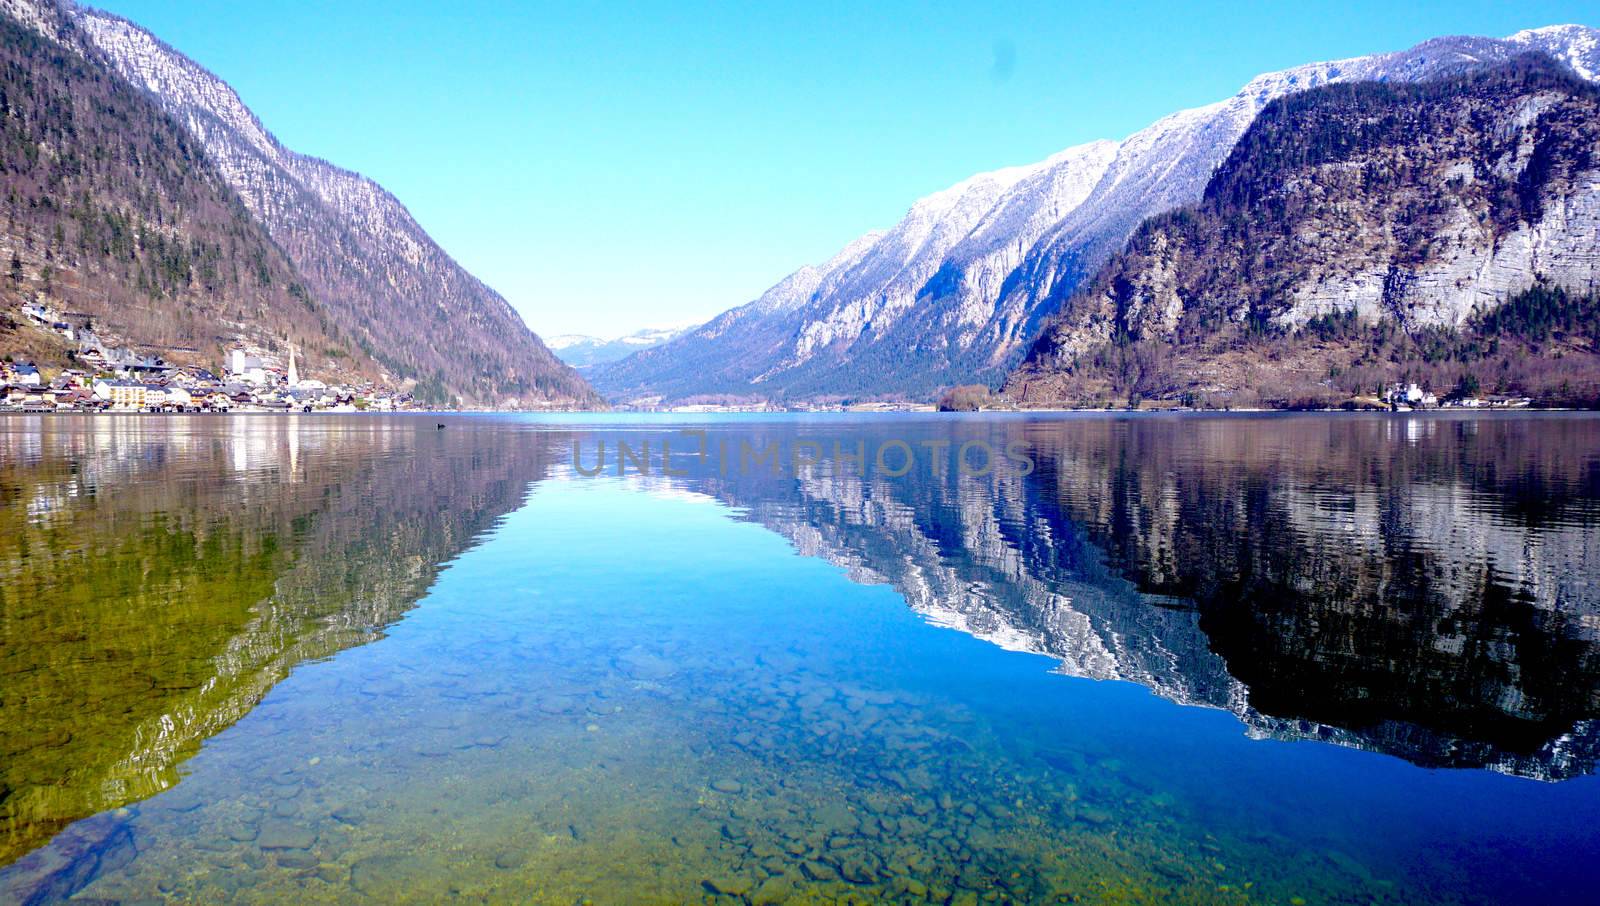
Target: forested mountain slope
(379,279)
(112,210)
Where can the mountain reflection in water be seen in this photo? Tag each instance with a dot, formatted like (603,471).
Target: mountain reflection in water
(161,575)
(1424,587)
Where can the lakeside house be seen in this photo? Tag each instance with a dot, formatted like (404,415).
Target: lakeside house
(120,394)
(25,374)
(1410,396)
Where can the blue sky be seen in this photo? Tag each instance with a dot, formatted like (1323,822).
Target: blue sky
(611,167)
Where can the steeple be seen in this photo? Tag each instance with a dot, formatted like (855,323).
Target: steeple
(294,375)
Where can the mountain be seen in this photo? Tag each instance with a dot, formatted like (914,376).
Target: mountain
(718,358)
(958,289)
(581,351)
(380,278)
(1358,234)
(864,308)
(112,212)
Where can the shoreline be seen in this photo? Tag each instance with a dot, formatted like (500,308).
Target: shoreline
(1449,410)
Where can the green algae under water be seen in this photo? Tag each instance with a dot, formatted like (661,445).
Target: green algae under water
(518,685)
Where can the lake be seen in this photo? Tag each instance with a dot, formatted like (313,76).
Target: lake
(822,659)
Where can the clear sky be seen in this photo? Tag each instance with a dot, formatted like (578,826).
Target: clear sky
(612,167)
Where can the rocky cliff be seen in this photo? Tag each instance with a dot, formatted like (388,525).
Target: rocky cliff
(1365,229)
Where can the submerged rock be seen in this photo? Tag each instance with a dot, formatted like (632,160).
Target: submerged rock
(178,799)
(858,869)
(297,858)
(772,891)
(645,666)
(1094,816)
(732,886)
(378,874)
(333,874)
(558,704)
(242,833)
(818,871)
(511,858)
(277,833)
(910,887)
(348,815)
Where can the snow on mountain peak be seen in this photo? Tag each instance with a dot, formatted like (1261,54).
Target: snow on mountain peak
(1578,46)
(960,285)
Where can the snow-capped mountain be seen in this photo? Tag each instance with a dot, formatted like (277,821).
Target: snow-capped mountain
(1405,208)
(956,290)
(581,350)
(1168,164)
(801,326)
(388,285)
(976,221)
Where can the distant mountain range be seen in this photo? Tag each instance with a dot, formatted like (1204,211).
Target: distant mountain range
(582,351)
(957,291)
(142,194)
(387,297)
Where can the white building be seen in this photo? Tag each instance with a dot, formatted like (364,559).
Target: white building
(120,394)
(240,361)
(174,396)
(26,375)
(246,367)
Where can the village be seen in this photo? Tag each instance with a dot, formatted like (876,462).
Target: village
(119,379)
